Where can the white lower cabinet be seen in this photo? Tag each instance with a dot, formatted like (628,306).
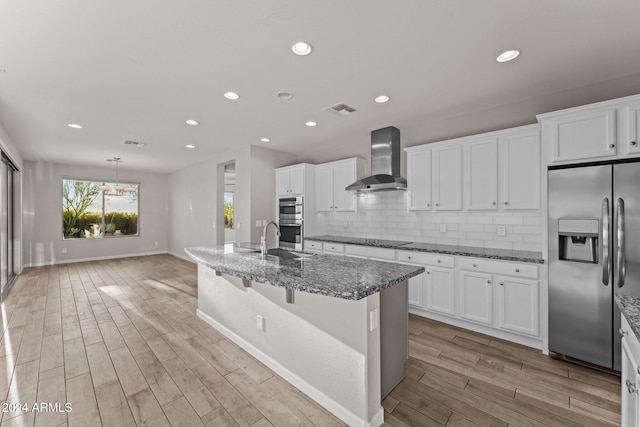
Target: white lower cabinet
(518,305)
(440,286)
(476,297)
(499,295)
(630,376)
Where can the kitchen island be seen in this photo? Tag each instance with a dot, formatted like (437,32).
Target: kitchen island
(341,338)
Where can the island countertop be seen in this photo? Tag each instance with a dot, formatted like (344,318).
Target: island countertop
(329,275)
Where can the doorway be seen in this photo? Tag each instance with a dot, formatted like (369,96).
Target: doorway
(8,183)
(229,202)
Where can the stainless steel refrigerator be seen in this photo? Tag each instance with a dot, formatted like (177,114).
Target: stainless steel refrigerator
(594,252)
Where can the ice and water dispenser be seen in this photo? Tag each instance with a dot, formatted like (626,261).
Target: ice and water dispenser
(578,240)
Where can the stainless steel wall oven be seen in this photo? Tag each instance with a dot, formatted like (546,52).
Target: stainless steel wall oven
(290,219)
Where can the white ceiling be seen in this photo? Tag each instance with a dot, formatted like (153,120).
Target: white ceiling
(138,69)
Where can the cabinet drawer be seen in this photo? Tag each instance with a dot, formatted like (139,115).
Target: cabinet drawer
(426,258)
(630,337)
(365,251)
(499,267)
(312,245)
(333,247)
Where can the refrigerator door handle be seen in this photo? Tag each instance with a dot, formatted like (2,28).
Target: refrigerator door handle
(620,254)
(605,242)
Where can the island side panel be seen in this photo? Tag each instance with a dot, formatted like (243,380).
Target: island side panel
(322,345)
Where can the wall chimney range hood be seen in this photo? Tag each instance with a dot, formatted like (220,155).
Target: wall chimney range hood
(385,163)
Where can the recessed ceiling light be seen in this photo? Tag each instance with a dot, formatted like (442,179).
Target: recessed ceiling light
(190,146)
(508,55)
(301,48)
(311,123)
(192,122)
(265,139)
(381,99)
(75,126)
(231,95)
(285,95)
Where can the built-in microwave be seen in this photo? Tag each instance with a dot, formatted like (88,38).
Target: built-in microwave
(290,208)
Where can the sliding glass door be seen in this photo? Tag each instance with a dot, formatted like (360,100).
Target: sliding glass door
(7,271)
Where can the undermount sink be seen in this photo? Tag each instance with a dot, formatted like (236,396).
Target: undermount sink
(284,254)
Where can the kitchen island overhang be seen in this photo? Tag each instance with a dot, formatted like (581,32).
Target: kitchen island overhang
(345,332)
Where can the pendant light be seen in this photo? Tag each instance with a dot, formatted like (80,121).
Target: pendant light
(119,188)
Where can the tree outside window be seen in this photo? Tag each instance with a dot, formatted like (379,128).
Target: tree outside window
(89,210)
(228,209)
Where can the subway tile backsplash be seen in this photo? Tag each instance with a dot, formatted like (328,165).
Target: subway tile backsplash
(384,215)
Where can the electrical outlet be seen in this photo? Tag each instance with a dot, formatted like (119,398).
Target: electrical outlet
(502,230)
(260,322)
(373,320)
(64,250)
(443,228)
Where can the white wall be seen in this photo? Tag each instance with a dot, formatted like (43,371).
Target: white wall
(42,218)
(384,215)
(195,214)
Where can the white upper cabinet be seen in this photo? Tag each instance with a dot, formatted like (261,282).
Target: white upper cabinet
(290,181)
(481,174)
(324,188)
(521,170)
(419,179)
(332,179)
(603,131)
(633,114)
(344,174)
(586,135)
(495,170)
(447,177)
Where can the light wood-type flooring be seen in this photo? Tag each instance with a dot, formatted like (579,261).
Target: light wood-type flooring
(120,342)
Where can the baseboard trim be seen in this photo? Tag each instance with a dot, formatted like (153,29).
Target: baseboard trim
(102,258)
(322,399)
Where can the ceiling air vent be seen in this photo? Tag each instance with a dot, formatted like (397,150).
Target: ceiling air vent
(340,109)
(136,143)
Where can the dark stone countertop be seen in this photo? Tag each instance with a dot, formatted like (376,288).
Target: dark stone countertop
(329,275)
(630,308)
(498,254)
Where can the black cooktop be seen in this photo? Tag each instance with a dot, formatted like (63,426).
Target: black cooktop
(377,242)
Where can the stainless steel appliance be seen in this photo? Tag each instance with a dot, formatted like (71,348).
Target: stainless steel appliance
(290,221)
(594,252)
(385,163)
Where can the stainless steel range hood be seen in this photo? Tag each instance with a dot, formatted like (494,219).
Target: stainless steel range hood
(385,163)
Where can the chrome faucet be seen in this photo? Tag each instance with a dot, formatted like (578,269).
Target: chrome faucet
(263,240)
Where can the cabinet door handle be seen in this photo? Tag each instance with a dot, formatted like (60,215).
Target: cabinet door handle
(475,265)
(612,145)
(633,143)
(506,203)
(501,283)
(517,270)
(489,281)
(494,203)
(622,332)
(428,272)
(439,261)
(437,204)
(631,387)
(428,204)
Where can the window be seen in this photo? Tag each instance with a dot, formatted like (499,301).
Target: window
(98,209)
(228,210)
